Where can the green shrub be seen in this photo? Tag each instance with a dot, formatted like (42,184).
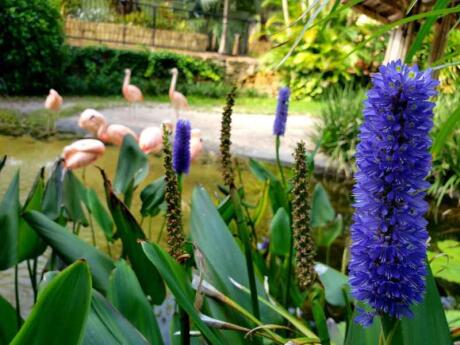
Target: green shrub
(31,39)
(98,70)
(338,131)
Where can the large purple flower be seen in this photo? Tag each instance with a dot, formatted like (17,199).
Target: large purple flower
(388,251)
(279,126)
(181,149)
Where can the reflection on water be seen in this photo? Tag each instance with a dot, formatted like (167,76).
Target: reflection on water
(29,155)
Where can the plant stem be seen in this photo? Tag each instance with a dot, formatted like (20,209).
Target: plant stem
(93,233)
(150,227)
(243,232)
(161,230)
(33,282)
(278,162)
(16,293)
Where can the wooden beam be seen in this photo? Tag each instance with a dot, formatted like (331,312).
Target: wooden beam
(370,13)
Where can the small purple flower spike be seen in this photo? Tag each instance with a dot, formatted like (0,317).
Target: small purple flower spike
(279,127)
(181,149)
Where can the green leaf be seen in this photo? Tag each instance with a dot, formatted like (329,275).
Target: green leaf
(152,196)
(132,166)
(280,231)
(61,310)
(52,198)
(2,162)
(226,210)
(445,131)
(176,278)
(126,294)
(447,264)
(322,211)
(131,233)
(320,319)
(99,213)
(74,195)
(425,30)
(70,248)
(8,322)
(224,258)
(9,225)
(30,244)
(106,326)
(335,284)
(328,234)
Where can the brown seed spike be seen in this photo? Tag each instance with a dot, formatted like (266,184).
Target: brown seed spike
(225,141)
(303,241)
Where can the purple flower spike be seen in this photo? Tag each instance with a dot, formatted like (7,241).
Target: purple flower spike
(279,127)
(388,251)
(181,149)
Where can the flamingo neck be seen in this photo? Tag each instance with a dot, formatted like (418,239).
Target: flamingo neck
(101,132)
(172,88)
(126,80)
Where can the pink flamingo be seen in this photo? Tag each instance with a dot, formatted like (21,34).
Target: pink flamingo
(196,144)
(151,138)
(114,133)
(53,102)
(131,92)
(178,100)
(95,122)
(91,120)
(82,153)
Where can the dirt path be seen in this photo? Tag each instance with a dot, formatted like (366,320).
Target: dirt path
(251,134)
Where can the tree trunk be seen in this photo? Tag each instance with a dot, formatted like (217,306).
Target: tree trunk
(223,37)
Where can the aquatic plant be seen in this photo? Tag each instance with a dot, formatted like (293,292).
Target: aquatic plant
(181,149)
(389,237)
(279,126)
(303,241)
(226,142)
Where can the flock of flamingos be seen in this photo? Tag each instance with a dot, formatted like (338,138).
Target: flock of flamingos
(86,151)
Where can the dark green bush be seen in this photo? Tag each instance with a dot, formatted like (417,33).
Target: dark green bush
(31,39)
(100,71)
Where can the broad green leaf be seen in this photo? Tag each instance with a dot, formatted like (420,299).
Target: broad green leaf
(425,30)
(107,326)
(8,322)
(322,211)
(126,294)
(278,197)
(131,233)
(280,231)
(177,281)
(30,245)
(261,208)
(224,258)
(70,248)
(328,234)
(132,166)
(320,319)
(52,198)
(9,225)
(447,264)
(152,196)
(334,282)
(99,213)
(445,131)
(74,196)
(61,310)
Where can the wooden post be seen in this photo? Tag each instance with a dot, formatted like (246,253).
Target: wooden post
(236,45)
(223,37)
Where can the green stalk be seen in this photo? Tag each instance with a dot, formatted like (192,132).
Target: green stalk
(278,161)
(16,293)
(161,230)
(243,232)
(33,281)
(93,233)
